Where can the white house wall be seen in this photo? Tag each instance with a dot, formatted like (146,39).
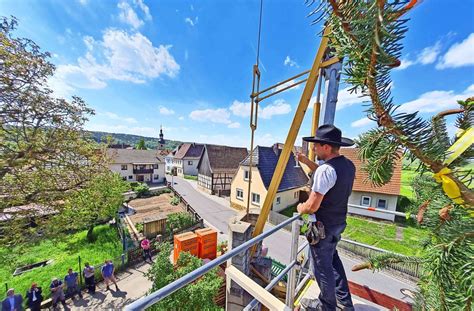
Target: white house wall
(190,169)
(287,198)
(356,198)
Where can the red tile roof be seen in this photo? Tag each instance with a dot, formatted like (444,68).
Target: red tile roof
(362,182)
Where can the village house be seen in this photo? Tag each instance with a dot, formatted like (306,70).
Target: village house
(187,158)
(292,189)
(169,160)
(217,167)
(368,195)
(137,165)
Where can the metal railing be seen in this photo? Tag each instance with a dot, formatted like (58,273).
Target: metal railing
(167,290)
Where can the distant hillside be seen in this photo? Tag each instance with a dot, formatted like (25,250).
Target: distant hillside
(116,138)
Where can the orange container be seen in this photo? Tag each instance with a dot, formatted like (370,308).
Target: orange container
(207,243)
(185,242)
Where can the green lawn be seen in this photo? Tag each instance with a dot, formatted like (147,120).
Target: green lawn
(64,254)
(380,234)
(190,177)
(383,235)
(407,177)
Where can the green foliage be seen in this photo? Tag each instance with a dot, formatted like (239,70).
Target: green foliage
(195,296)
(132,140)
(141,144)
(44,155)
(178,221)
(141,189)
(174,200)
(99,201)
(139,227)
(64,252)
(190,177)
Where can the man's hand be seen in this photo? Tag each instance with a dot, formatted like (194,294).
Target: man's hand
(300,209)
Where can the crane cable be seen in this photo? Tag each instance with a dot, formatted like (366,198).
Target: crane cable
(254,106)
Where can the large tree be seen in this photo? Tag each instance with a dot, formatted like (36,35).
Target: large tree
(368,34)
(44,152)
(94,204)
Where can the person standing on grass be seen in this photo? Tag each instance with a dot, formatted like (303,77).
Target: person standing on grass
(72,283)
(57,292)
(108,270)
(89,277)
(145,245)
(12,302)
(34,297)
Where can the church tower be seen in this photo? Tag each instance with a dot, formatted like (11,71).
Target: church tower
(161,141)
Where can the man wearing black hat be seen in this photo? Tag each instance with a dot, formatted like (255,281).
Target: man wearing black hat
(327,207)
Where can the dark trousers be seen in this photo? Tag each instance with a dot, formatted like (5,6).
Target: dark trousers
(35,305)
(73,290)
(147,254)
(90,284)
(329,271)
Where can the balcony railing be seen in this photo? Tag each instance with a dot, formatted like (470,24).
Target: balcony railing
(142,171)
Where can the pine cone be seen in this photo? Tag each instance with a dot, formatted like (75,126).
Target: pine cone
(422,210)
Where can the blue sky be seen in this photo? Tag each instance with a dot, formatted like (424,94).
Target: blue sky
(188,64)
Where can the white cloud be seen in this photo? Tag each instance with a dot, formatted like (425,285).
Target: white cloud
(124,57)
(114,116)
(192,7)
(289,62)
(435,101)
(405,63)
(429,54)
(220,115)
(459,54)
(144,8)
(234,125)
(165,111)
(190,21)
(346,99)
(362,122)
(239,140)
(278,107)
(240,109)
(280,87)
(181,118)
(129,16)
(83,2)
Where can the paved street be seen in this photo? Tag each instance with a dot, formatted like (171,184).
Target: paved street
(216,212)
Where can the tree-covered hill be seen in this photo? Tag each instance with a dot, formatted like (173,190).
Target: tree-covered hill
(129,139)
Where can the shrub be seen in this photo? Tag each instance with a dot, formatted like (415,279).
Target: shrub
(174,200)
(178,221)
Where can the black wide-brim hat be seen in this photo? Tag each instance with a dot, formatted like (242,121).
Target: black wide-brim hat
(329,134)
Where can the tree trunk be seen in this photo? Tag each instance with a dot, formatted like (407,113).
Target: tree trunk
(90,234)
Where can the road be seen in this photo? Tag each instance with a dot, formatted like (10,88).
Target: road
(216,212)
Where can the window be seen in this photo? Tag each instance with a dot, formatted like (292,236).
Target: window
(155,166)
(255,199)
(246,175)
(296,195)
(130,177)
(382,203)
(278,200)
(239,195)
(190,162)
(124,167)
(156,176)
(365,201)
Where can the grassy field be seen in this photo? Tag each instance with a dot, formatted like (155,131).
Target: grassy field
(407,177)
(380,234)
(64,254)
